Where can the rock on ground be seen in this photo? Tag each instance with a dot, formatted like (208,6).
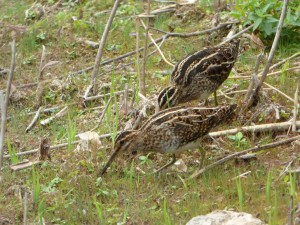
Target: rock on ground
(225,218)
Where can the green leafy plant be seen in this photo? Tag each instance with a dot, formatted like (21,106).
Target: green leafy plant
(144,159)
(238,138)
(50,188)
(264,15)
(41,37)
(29,60)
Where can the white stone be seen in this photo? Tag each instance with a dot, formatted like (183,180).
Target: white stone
(222,217)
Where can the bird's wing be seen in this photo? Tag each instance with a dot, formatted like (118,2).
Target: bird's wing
(210,63)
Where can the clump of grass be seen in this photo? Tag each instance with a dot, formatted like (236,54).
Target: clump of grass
(240,191)
(273,213)
(268,187)
(98,206)
(41,208)
(12,153)
(71,132)
(167,218)
(36,186)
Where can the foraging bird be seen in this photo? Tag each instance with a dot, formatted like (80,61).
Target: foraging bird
(172,130)
(199,74)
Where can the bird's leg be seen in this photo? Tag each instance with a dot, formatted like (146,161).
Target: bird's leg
(216,100)
(167,165)
(202,152)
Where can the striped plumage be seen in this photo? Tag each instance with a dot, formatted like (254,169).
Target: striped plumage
(199,74)
(172,130)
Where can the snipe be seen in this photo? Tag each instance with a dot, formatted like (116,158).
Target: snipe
(172,130)
(199,75)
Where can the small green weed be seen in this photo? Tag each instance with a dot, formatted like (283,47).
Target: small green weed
(238,139)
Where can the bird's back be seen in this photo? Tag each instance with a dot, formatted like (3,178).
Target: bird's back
(212,63)
(173,128)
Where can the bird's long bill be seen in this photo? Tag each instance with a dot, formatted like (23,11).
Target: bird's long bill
(109,162)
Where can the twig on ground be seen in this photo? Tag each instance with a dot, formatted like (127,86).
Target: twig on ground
(280,92)
(255,95)
(41,82)
(236,35)
(103,114)
(255,128)
(286,169)
(103,42)
(5,105)
(24,165)
(55,146)
(282,62)
(253,149)
(157,47)
(91,98)
(126,99)
(295,112)
(243,175)
(57,115)
(35,118)
(268,75)
(87,91)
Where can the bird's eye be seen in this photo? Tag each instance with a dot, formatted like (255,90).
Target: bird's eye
(122,142)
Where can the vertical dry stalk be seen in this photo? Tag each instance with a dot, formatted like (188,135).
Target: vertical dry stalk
(254,96)
(40,87)
(25,208)
(142,85)
(294,127)
(126,99)
(254,79)
(137,27)
(103,41)
(5,105)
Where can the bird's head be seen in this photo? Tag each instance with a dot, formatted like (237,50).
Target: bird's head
(125,141)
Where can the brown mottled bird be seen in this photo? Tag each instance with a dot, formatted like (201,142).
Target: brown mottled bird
(199,74)
(172,130)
